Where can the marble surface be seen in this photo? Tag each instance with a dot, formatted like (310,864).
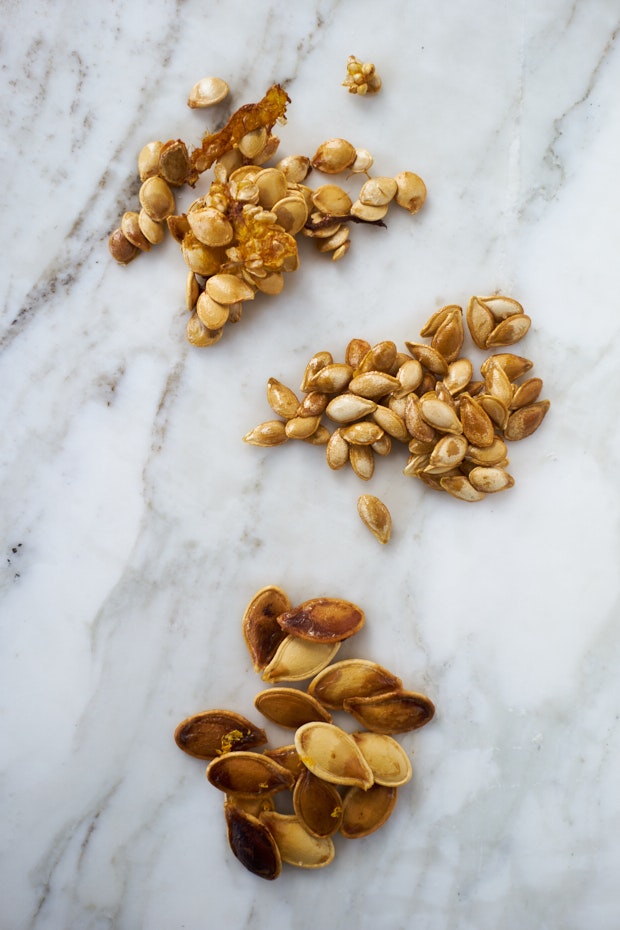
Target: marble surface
(137,525)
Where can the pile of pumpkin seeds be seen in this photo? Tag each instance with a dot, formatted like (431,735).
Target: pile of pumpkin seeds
(426,398)
(337,782)
(239,238)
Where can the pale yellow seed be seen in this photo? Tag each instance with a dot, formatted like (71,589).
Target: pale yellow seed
(291,213)
(362,461)
(156,198)
(148,160)
(228,288)
(269,433)
(411,193)
(333,156)
(272,187)
(332,200)
(192,290)
(207,92)
(363,162)
(337,451)
(199,335)
(130,227)
(378,192)
(294,168)
(213,314)
(253,142)
(210,226)
(151,229)
(368,213)
(376,516)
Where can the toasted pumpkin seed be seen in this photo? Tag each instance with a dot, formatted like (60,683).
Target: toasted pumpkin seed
(389,762)
(214,732)
(355,352)
(376,516)
(290,707)
(411,192)
(333,156)
(207,92)
(490,478)
(337,451)
(480,321)
(248,773)
(323,619)
(526,393)
(317,804)
(440,415)
(378,191)
(348,407)
(332,754)
(269,433)
(363,812)
(509,331)
(351,678)
(449,337)
(297,846)
(526,420)
(261,630)
(373,384)
(286,756)
(460,486)
(252,842)
(296,659)
(513,365)
(392,712)
(477,425)
(228,288)
(362,433)
(281,399)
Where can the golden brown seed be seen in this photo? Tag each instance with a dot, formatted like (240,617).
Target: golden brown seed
(271,185)
(460,487)
(335,241)
(317,804)
(156,198)
(363,812)
(121,249)
(332,200)
(429,357)
(448,453)
(313,404)
(201,259)
(261,630)
(509,331)
(332,754)
(436,319)
(174,163)
(494,408)
(320,437)
(228,289)
(296,659)
(488,455)
(355,352)
(178,226)
(252,842)
(268,151)
(410,376)
(318,361)
(411,192)
(393,712)
(248,774)
(440,415)
(212,314)
(286,756)
(477,425)
(269,433)
(130,227)
(207,92)
(448,340)
(526,393)
(301,427)
(331,379)
(294,168)
(380,357)
(501,307)
(291,214)
(513,365)
(333,156)
(497,383)
(368,213)
(297,846)
(199,335)
(480,322)
(373,384)
(382,446)
(192,290)
(151,230)
(253,142)
(389,762)
(148,160)
(210,226)
(524,421)
(323,619)
(337,451)
(351,678)
(391,423)
(378,192)
(290,707)
(347,407)
(362,433)
(281,399)
(214,732)
(490,479)
(415,422)
(376,516)
(362,461)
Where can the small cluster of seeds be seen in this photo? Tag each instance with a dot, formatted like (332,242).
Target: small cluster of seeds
(239,238)
(338,782)
(362,77)
(454,426)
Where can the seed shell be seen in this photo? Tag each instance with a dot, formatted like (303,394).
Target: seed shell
(252,842)
(376,516)
(317,803)
(248,773)
(290,707)
(323,620)
(297,846)
(388,760)
(332,754)
(393,712)
(351,678)
(213,732)
(296,659)
(261,630)
(363,812)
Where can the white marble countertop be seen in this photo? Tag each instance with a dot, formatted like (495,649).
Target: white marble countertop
(137,525)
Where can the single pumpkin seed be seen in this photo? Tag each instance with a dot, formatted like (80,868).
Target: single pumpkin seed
(368,213)
(526,393)
(348,407)
(440,415)
(317,804)
(332,754)
(248,773)
(331,379)
(363,812)
(487,455)
(436,319)
(148,160)
(477,425)
(509,331)
(380,357)
(318,361)
(213,314)
(332,200)
(281,399)
(411,191)
(301,427)
(378,191)
(390,422)
(373,384)
(480,322)
(376,516)
(207,92)
(296,659)
(524,421)
(501,307)
(448,340)
(297,846)
(156,198)
(269,433)
(228,288)
(351,678)
(199,335)
(392,712)
(290,707)
(362,433)
(261,631)
(355,351)
(323,620)
(337,451)
(490,478)
(460,486)
(514,365)
(333,156)
(252,842)
(389,762)
(459,375)
(429,357)
(213,732)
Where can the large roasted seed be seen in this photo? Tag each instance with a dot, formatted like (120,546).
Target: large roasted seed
(490,479)
(380,357)
(429,357)
(290,707)
(524,421)
(323,620)
(509,331)
(228,288)
(296,659)
(331,379)
(411,191)
(333,156)
(440,415)
(332,200)
(281,399)
(332,754)
(501,307)
(477,425)
(389,762)
(460,486)
(214,732)
(362,433)
(252,842)
(207,92)
(337,451)
(488,455)
(448,453)
(378,191)
(313,404)
(497,383)
(355,352)
(363,812)
(448,340)
(373,384)
(459,375)
(362,461)
(317,803)
(526,393)
(269,433)
(351,678)
(393,712)
(318,361)
(297,846)
(288,757)
(261,631)
(248,773)
(376,516)
(513,365)
(391,423)
(301,427)
(416,423)
(347,407)
(480,322)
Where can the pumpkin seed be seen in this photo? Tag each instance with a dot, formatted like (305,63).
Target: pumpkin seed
(252,842)
(214,732)
(351,678)
(317,804)
(363,812)
(296,659)
(526,420)
(389,762)
(248,773)
(392,712)
(290,707)
(297,846)
(376,516)
(332,754)
(261,630)
(323,620)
